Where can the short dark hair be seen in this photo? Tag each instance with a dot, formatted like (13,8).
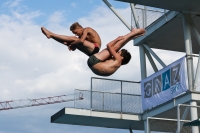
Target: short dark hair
(126,55)
(75,26)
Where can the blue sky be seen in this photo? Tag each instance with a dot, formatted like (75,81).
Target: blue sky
(32,66)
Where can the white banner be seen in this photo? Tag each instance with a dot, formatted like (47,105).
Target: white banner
(164,85)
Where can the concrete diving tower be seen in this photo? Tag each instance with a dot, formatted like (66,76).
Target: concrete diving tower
(112,109)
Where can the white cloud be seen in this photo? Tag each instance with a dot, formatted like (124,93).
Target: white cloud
(26,16)
(56,20)
(73,4)
(12,3)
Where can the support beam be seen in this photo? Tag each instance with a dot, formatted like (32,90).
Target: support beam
(130,130)
(147,126)
(145,16)
(180,124)
(155,56)
(151,61)
(184,116)
(197,35)
(117,14)
(197,73)
(142,63)
(91,94)
(143,19)
(194,116)
(178,119)
(194,29)
(188,49)
(134,15)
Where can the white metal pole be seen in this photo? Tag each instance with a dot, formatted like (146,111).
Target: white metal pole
(103,102)
(194,28)
(91,94)
(194,116)
(142,62)
(74,98)
(130,130)
(142,52)
(190,105)
(197,73)
(155,118)
(178,119)
(184,116)
(134,15)
(188,48)
(145,16)
(156,57)
(151,61)
(117,14)
(121,97)
(148,126)
(197,35)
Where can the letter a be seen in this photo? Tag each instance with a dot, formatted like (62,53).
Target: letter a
(166,81)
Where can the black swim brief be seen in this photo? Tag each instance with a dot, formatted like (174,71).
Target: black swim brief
(96,49)
(92,61)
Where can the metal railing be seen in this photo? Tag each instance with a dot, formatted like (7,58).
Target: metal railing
(110,102)
(111,95)
(187,113)
(146,15)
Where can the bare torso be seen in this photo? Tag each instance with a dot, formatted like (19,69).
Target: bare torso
(105,68)
(93,36)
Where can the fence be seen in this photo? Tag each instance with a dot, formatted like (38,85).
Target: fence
(163,125)
(146,15)
(112,96)
(184,113)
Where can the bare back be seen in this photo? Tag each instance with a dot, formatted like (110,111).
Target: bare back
(106,68)
(93,36)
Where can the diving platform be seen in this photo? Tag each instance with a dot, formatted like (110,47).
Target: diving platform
(166,33)
(177,5)
(105,109)
(86,117)
(107,117)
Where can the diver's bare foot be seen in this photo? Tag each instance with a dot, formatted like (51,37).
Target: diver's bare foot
(138,32)
(46,32)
